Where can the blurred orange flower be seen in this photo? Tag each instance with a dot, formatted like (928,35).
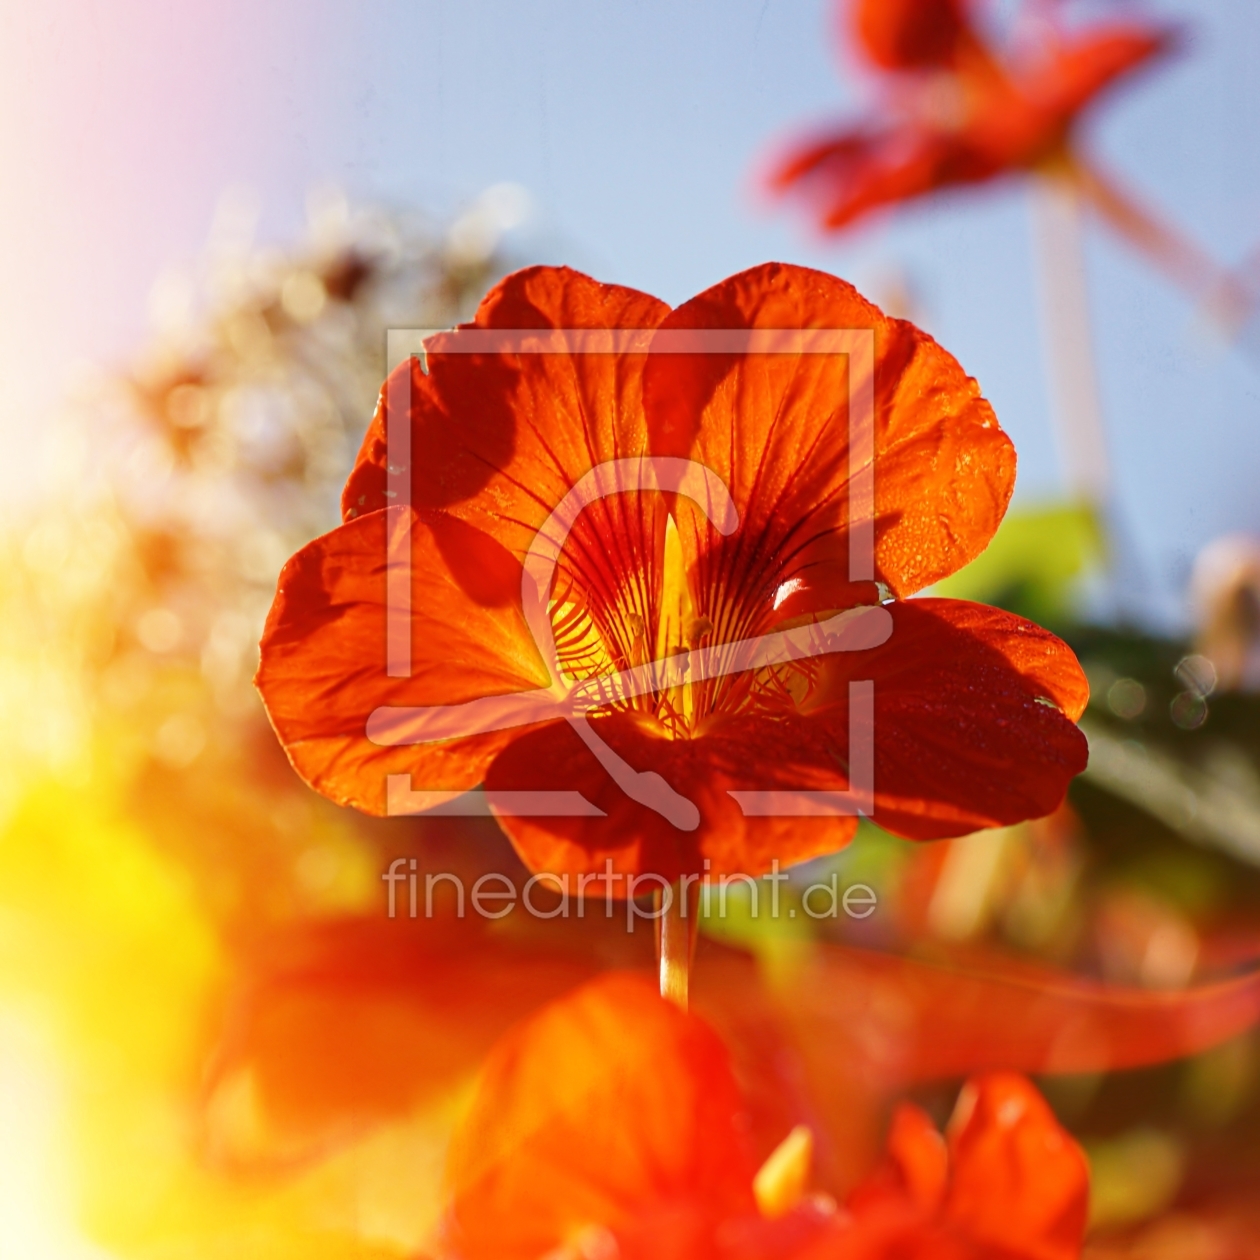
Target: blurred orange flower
(959,113)
(1007,1181)
(913,34)
(337,1028)
(973,707)
(583,1141)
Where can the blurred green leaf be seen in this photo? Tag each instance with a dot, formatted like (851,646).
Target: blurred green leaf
(1033,563)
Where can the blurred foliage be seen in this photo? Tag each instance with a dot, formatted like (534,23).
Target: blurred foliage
(155,843)
(1150,876)
(183,484)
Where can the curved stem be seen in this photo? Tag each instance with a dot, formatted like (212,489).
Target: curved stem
(675,938)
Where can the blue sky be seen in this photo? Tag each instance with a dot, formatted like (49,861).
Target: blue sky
(636,127)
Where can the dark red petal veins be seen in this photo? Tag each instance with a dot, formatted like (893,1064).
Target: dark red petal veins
(774,427)
(499,439)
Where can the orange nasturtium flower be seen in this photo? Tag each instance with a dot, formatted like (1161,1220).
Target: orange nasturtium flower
(958,112)
(584,1142)
(974,708)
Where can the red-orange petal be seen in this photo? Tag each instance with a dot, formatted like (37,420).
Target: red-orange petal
(754,753)
(845,175)
(607,1108)
(974,712)
(1084,67)
(915,1166)
(498,438)
(909,34)
(508,433)
(1019,1184)
(323,667)
(774,427)
(1014,1185)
